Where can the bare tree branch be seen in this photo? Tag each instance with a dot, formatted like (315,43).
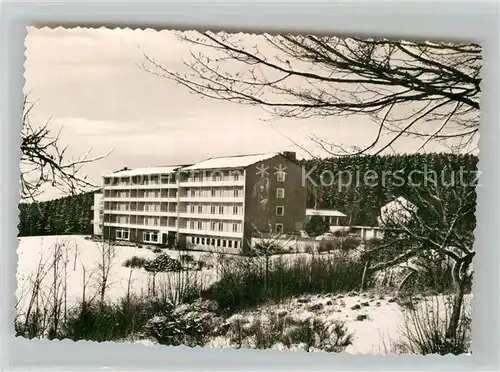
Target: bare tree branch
(44,162)
(402,85)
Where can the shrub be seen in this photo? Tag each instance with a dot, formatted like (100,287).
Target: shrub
(111,322)
(434,273)
(310,249)
(182,287)
(349,243)
(327,245)
(249,284)
(425,330)
(135,262)
(341,233)
(187,324)
(270,329)
(266,248)
(186,258)
(431,271)
(316,226)
(317,334)
(163,263)
(157,250)
(33,327)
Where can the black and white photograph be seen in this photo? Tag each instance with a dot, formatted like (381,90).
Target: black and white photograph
(292,192)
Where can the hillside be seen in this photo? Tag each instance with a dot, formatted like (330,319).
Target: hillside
(361,185)
(63,216)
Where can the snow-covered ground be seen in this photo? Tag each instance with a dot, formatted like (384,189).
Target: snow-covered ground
(376,322)
(82,258)
(380,328)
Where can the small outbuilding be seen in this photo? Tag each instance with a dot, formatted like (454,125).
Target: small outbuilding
(331,217)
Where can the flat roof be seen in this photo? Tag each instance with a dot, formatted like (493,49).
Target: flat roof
(324,213)
(239,161)
(144,171)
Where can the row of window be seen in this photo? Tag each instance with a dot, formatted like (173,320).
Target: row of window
(150,237)
(147,236)
(213,242)
(170,193)
(122,234)
(146,221)
(140,180)
(236,193)
(143,208)
(192,208)
(195,209)
(215,193)
(216,176)
(195,193)
(237,210)
(164,179)
(216,209)
(153,237)
(215,226)
(147,194)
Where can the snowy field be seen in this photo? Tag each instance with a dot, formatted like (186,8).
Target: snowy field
(375,320)
(82,258)
(380,329)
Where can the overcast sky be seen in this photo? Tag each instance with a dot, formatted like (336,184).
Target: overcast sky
(89,83)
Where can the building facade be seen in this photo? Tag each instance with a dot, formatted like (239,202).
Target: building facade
(97,215)
(216,204)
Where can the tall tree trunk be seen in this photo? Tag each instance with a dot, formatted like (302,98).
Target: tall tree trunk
(460,279)
(458,301)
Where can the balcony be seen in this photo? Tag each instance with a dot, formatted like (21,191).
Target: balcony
(141,186)
(227,234)
(116,197)
(141,212)
(209,216)
(212,199)
(116,211)
(139,226)
(212,183)
(119,186)
(154,213)
(157,199)
(153,200)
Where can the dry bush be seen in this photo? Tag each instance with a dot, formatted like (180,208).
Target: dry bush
(425,327)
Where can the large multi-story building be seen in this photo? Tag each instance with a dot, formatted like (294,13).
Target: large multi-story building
(97,213)
(218,203)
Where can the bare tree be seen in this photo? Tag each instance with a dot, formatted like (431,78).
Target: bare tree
(30,316)
(85,284)
(58,287)
(266,246)
(106,262)
(45,162)
(437,227)
(409,88)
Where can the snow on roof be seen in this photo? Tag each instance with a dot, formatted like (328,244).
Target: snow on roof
(324,213)
(398,203)
(144,171)
(400,210)
(240,161)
